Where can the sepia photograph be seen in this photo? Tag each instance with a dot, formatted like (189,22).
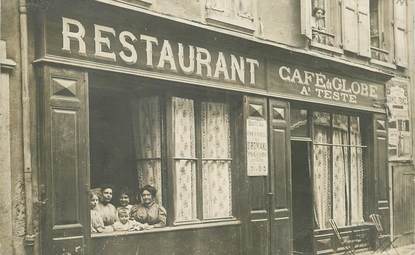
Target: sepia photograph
(207,127)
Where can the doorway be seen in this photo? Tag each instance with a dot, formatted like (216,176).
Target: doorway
(302,197)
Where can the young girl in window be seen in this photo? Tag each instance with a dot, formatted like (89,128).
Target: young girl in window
(97,223)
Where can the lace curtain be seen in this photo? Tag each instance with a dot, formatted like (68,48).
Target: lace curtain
(321,172)
(356,191)
(338,170)
(216,162)
(185,163)
(147,140)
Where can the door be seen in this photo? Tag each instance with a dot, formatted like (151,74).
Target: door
(404,204)
(64,162)
(269,192)
(302,197)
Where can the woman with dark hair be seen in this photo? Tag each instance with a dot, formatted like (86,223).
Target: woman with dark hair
(105,208)
(148,211)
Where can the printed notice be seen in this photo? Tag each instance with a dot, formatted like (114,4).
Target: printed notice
(257,147)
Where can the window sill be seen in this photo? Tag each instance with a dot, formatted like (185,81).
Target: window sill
(326,47)
(240,24)
(382,63)
(168,229)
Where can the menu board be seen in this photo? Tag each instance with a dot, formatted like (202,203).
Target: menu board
(257,146)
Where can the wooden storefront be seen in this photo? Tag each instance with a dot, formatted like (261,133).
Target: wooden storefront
(92,65)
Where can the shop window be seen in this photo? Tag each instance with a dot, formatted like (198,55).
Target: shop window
(338,169)
(213,161)
(128,134)
(236,14)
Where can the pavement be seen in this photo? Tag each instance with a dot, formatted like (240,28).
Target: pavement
(404,250)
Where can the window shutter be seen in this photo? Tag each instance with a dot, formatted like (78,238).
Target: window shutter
(280,174)
(381,185)
(257,202)
(364,28)
(350,23)
(306,18)
(400,28)
(65,161)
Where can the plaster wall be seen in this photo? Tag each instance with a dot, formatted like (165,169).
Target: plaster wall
(14,178)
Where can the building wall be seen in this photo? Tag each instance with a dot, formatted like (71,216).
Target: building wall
(271,25)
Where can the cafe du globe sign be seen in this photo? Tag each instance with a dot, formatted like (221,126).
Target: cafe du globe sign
(136,48)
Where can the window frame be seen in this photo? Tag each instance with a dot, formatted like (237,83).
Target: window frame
(167,160)
(366,145)
(198,98)
(386,36)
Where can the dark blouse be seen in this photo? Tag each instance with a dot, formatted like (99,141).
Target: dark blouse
(153,214)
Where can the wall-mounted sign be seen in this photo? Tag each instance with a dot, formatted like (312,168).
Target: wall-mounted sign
(256,146)
(399,135)
(143,46)
(312,84)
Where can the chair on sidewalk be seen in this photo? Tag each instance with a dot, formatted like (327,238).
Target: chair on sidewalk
(348,245)
(384,241)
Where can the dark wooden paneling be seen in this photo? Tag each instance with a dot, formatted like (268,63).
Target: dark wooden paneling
(207,241)
(381,184)
(404,204)
(258,221)
(280,173)
(65,161)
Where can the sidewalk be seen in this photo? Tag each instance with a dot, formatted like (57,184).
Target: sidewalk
(404,250)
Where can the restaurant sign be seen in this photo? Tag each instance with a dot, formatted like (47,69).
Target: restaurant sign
(306,83)
(141,47)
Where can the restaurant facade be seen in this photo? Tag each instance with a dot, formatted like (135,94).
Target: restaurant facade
(252,145)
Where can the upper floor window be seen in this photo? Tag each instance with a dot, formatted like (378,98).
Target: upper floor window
(372,29)
(237,14)
(320,23)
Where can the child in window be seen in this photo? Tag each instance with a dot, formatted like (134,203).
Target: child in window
(97,223)
(124,201)
(124,223)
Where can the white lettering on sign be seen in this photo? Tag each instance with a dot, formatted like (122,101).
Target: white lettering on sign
(159,54)
(319,84)
(256,147)
(67,35)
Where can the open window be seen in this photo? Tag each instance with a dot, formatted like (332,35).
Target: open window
(320,23)
(182,146)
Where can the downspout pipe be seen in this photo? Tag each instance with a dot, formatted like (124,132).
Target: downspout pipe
(29,238)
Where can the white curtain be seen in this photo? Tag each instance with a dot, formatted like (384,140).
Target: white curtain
(356,190)
(185,165)
(340,170)
(216,153)
(147,140)
(321,170)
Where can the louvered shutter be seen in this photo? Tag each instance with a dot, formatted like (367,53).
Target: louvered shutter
(364,28)
(306,18)
(400,28)
(350,23)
